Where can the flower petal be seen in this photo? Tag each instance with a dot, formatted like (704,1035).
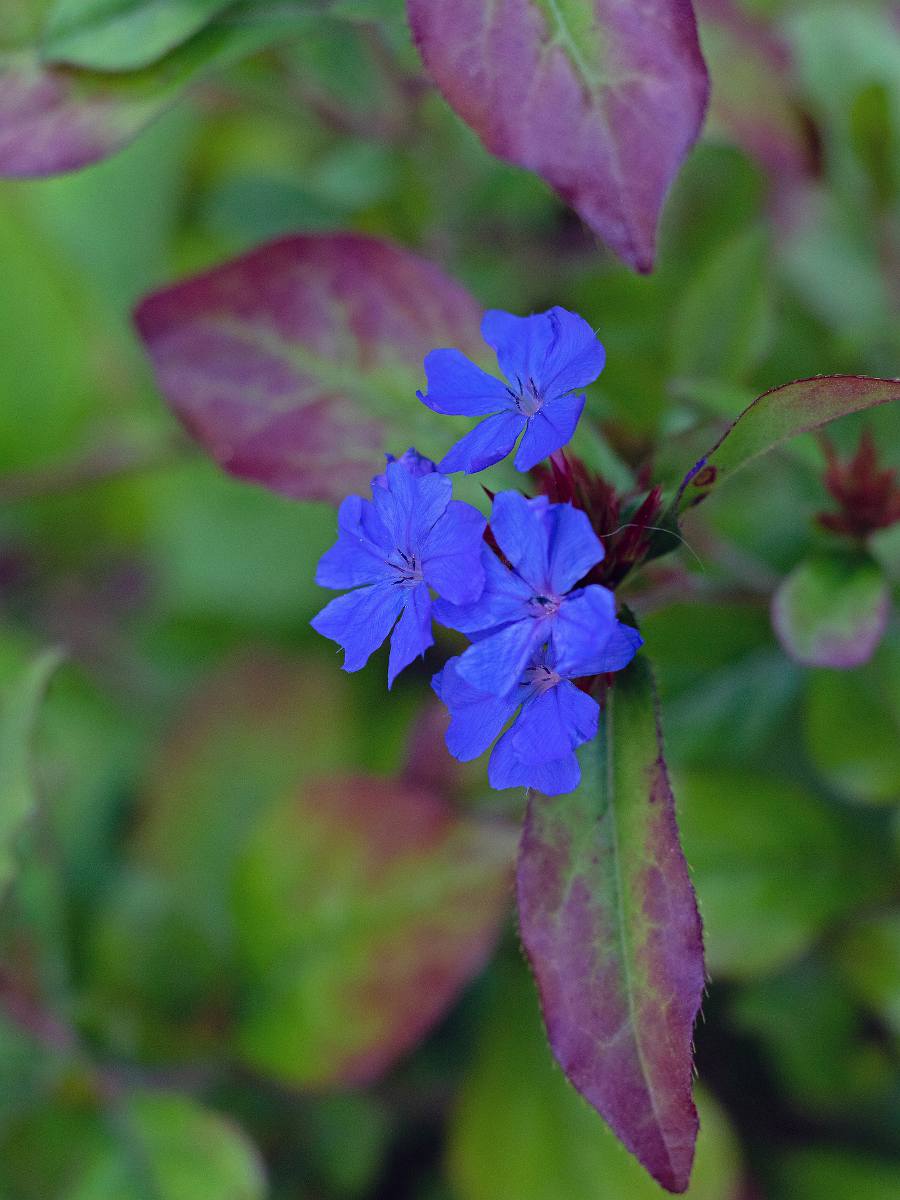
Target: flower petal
(395,505)
(548,430)
(617,652)
(554,723)
(452,554)
(495,663)
(504,599)
(521,343)
(412,636)
(456,387)
(415,463)
(486,444)
(475,718)
(432,495)
(522,530)
(409,506)
(360,621)
(575,357)
(354,559)
(574,547)
(582,628)
(506,769)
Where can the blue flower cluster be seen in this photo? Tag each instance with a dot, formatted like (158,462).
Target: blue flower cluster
(533,630)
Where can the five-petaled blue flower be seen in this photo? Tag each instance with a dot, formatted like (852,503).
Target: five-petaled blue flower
(546,359)
(409,537)
(549,548)
(538,750)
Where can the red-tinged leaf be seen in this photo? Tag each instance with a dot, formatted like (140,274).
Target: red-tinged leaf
(610,924)
(58,119)
(52,121)
(832,610)
(778,415)
(284,364)
(600,98)
(751,101)
(363,907)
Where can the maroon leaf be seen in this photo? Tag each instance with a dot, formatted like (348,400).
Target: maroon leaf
(600,98)
(287,363)
(610,924)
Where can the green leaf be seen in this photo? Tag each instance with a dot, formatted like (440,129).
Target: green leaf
(771,866)
(249,734)
(346,1138)
(363,906)
(853,727)
(726,687)
(873,133)
(832,610)
(723,321)
(171,1148)
(835,1175)
(121,35)
(776,416)
(520,1131)
(868,957)
(19,708)
(246,736)
(814,1038)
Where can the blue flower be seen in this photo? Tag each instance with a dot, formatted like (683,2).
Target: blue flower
(549,548)
(411,536)
(416,463)
(546,358)
(555,717)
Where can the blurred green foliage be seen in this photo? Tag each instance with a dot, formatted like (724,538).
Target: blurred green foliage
(195,702)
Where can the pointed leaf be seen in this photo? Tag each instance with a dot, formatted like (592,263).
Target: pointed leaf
(778,415)
(832,610)
(284,363)
(520,1132)
(601,99)
(610,924)
(363,906)
(121,35)
(19,709)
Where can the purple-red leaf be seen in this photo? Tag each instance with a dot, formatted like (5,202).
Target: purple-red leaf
(610,924)
(286,364)
(600,98)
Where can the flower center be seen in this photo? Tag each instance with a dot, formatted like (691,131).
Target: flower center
(528,399)
(407,568)
(545,606)
(542,678)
